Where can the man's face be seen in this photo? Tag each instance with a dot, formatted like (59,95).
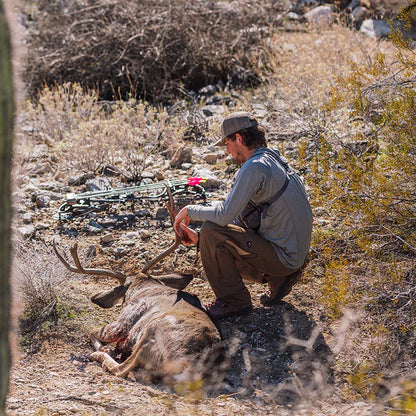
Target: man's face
(235,149)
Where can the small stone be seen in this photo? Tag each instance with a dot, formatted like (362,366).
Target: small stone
(162,213)
(145,234)
(92,230)
(42,201)
(119,251)
(143,213)
(148,175)
(359,14)
(211,110)
(129,243)
(208,90)
(27,217)
(211,180)
(26,231)
(98,184)
(107,238)
(320,15)
(211,158)
(293,16)
(41,226)
(375,28)
(91,251)
(182,155)
(80,179)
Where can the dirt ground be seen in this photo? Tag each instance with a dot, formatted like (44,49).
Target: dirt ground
(280,357)
(280,361)
(59,379)
(280,364)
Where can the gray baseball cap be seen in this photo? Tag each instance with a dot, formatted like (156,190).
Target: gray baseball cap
(234,123)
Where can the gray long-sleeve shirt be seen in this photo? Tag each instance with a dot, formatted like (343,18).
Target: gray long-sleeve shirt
(288,221)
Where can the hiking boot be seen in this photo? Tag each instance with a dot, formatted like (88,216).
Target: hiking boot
(277,292)
(220,310)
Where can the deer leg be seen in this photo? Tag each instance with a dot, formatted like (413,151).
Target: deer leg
(104,358)
(96,343)
(121,370)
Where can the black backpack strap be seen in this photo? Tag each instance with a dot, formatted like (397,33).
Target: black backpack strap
(275,197)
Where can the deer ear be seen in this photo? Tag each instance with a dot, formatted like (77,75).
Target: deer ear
(108,298)
(177,281)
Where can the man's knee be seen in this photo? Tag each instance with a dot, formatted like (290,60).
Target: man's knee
(207,226)
(209,230)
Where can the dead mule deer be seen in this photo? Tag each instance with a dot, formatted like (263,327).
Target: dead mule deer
(161,330)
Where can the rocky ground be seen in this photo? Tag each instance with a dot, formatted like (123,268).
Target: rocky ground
(281,357)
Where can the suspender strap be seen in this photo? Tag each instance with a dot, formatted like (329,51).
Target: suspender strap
(289,172)
(280,193)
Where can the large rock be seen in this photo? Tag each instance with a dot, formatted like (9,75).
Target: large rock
(211,180)
(375,28)
(182,155)
(320,15)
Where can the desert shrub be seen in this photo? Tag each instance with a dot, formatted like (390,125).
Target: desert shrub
(40,282)
(347,106)
(88,137)
(149,49)
(59,111)
(365,183)
(39,278)
(380,164)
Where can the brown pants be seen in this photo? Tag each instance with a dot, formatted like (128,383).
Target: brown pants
(232,253)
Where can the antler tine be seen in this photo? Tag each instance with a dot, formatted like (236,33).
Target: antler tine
(171,206)
(79,269)
(172,211)
(60,257)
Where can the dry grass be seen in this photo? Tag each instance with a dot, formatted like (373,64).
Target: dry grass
(122,136)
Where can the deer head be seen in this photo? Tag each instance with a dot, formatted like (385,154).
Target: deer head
(108,298)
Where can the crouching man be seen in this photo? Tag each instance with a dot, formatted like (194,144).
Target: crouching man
(261,232)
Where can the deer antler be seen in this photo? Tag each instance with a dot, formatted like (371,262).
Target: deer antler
(79,269)
(172,211)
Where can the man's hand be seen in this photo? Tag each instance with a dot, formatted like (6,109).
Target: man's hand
(189,237)
(181,216)
(182,220)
